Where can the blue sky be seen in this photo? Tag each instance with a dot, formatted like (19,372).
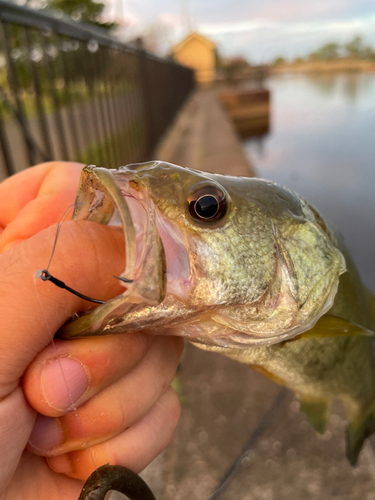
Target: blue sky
(260,30)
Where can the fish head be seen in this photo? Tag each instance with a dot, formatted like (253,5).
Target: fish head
(220,260)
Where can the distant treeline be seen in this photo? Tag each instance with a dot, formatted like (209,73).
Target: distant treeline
(355,49)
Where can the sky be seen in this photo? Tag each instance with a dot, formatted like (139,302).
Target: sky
(260,30)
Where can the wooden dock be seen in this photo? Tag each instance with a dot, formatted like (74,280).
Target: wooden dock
(248,109)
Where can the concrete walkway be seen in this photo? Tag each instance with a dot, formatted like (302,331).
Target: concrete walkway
(223,401)
(204,138)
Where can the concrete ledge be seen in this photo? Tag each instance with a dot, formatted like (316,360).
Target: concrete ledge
(204,138)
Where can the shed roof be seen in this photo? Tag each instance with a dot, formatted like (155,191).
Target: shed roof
(191,37)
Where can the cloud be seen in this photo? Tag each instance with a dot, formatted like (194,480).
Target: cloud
(291,9)
(289,27)
(258,30)
(262,40)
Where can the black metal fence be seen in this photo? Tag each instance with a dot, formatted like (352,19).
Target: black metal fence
(69,91)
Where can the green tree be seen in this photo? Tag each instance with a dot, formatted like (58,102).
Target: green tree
(328,52)
(369,53)
(87,11)
(355,48)
(279,60)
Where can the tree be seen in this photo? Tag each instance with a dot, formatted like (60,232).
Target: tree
(279,60)
(355,48)
(369,53)
(87,11)
(328,51)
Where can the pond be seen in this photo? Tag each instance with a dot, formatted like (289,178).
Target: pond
(321,144)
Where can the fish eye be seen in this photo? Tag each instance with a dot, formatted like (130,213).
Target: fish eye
(207,203)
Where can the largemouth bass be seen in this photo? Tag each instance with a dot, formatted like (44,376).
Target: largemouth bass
(243,267)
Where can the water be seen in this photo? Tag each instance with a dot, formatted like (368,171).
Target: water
(322,145)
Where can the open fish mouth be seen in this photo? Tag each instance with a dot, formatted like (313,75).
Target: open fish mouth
(104,199)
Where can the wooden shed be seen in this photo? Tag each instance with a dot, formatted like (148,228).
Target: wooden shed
(197,52)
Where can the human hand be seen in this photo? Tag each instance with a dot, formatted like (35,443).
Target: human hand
(120,384)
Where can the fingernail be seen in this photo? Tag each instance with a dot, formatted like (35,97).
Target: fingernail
(46,433)
(64,380)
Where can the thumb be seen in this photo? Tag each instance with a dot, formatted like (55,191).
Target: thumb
(86,258)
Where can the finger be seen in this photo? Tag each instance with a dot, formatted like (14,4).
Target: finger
(36,198)
(15,433)
(134,448)
(87,256)
(73,371)
(114,409)
(19,189)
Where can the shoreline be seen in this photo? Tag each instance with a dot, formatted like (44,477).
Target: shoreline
(334,66)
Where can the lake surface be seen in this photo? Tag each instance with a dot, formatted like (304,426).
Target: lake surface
(322,145)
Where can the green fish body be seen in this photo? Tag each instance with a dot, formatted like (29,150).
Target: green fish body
(333,360)
(243,267)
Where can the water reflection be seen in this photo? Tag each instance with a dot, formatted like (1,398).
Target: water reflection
(322,146)
(350,87)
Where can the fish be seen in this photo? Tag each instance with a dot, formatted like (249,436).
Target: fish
(243,267)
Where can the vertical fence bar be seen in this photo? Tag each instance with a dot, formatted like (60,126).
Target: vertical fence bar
(90,85)
(115,108)
(50,52)
(147,106)
(5,147)
(100,104)
(87,124)
(47,147)
(127,113)
(15,86)
(66,72)
(133,112)
(105,60)
(139,103)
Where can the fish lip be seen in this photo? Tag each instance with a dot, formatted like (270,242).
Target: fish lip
(97,200)
(101,190)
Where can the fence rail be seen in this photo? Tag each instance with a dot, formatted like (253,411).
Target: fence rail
(69,91)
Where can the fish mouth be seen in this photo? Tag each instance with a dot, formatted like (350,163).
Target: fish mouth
(107,199)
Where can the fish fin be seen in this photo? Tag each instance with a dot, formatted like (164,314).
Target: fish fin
(334,326)
(357,432)
(371,299)
(317,412)
(267,374)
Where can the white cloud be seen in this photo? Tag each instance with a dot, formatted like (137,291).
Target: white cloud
(264,29)
(263,40)
(292,27)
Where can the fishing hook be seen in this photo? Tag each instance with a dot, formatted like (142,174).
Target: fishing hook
(47,276)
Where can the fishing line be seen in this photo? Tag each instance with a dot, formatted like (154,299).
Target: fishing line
(260,429)
(59,224)
(45,275)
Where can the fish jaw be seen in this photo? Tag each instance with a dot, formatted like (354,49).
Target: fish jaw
(116,198)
